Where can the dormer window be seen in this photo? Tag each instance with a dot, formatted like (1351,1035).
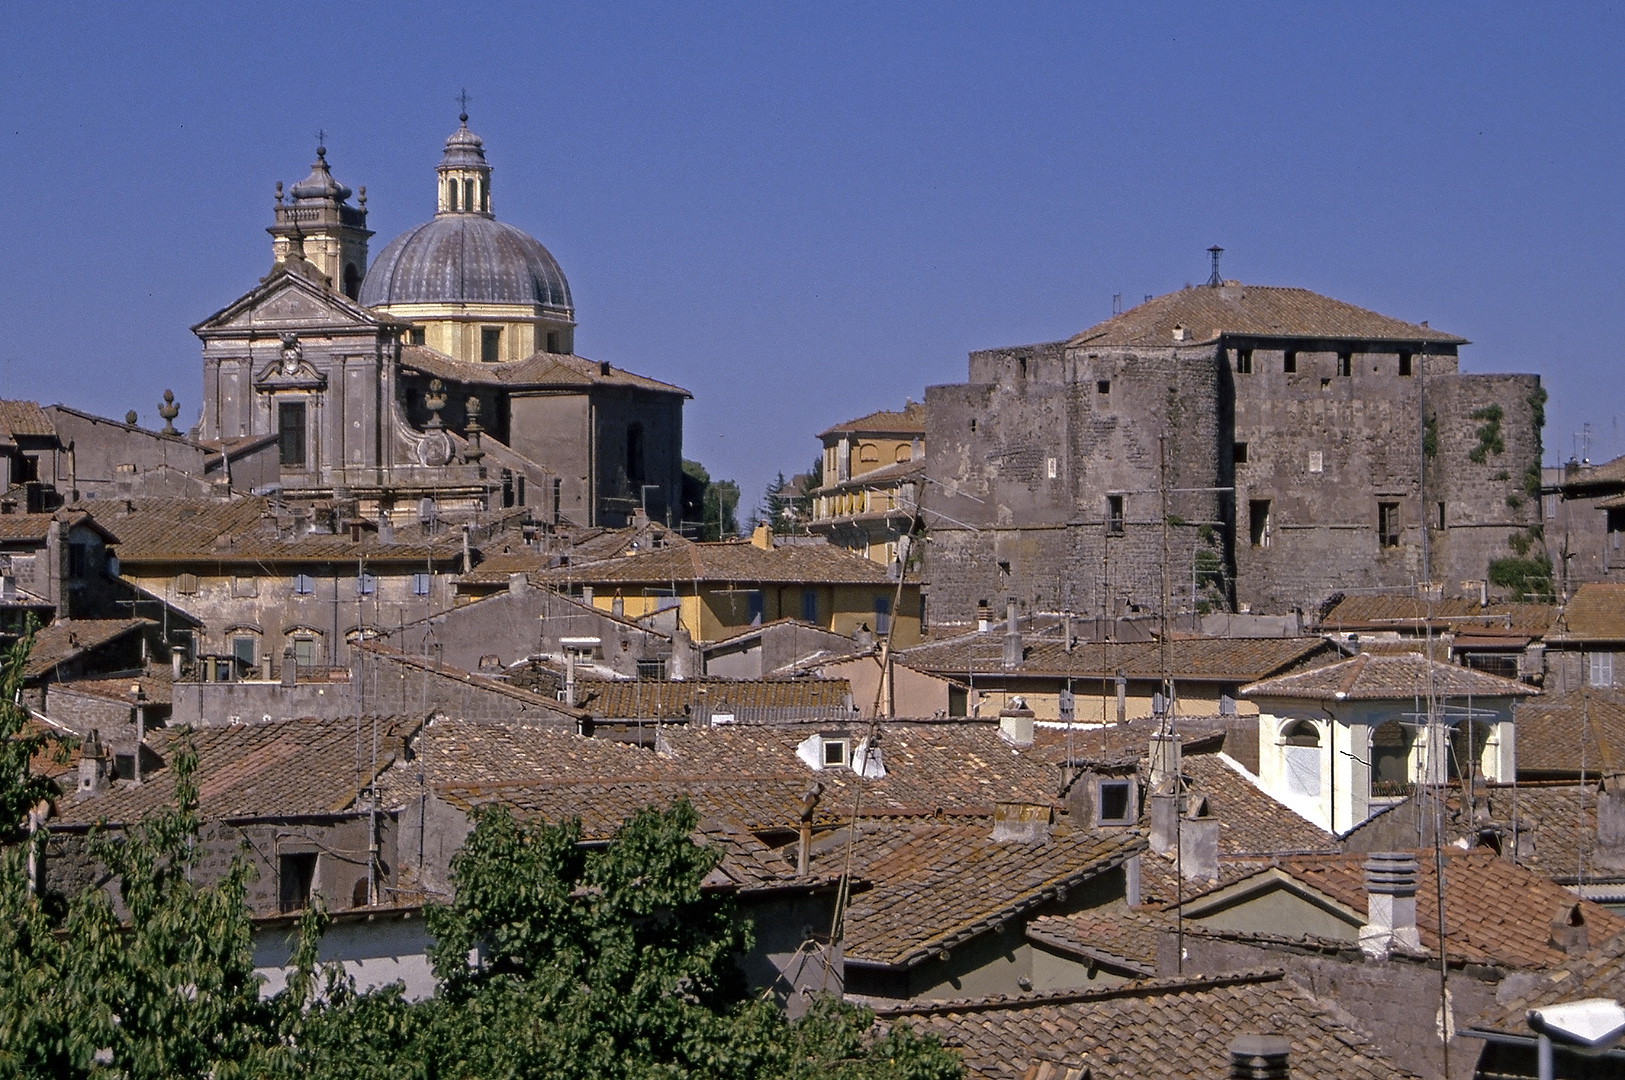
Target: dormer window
(1114,802)
(835,752)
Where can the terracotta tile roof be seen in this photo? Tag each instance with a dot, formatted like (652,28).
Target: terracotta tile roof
(1125,938)
(756,802)
(1596,612)
(25,418)
(930,767)
(910,421)
(1260,311)
(724,562)
(1123,744)
(1495,912)
(1560,733)
(1152,1028)
(68,639)
(656,698)
(1389,677)
(25,528)
(1598,974)
(543,703)
(1251,823)
(1558,821)
(290,768)
(602,544)
(540,370)
(471,753)
(245,531)
(936,886)
(155,683)
(1224,660)
(1404,613)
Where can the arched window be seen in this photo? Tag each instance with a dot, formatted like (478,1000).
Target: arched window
(1301,757)
(904,453)
(1390,759)
(451,194)
(869,452)
(468,195)
(352,281)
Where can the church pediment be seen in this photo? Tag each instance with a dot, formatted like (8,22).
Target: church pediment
(289,302)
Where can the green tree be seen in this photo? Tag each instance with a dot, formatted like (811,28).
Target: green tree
(20,789)
(710,505)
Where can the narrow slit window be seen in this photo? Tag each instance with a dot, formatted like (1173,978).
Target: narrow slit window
(1289,363)
(1103,386)
(1258,522)
(1388,524)
(1405,364)
(1239,453)
(1114,514)
(291,433)
(490,344)
(1244,361)
(1345,364)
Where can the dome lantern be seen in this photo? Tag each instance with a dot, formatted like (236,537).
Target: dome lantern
(464,175)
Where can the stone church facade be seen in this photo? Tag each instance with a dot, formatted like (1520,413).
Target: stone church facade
(1304,447)
(439,381)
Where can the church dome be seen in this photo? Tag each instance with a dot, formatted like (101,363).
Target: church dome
(465,258)
(464,255)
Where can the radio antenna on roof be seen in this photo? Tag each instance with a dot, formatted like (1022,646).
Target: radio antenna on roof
(1214,280)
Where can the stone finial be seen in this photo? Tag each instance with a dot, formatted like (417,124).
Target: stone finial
(362,196)
(434,401)
(472,430)
(169,410)
(279,193)
(131,417)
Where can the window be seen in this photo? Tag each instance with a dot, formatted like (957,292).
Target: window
(809,606)
(1244,361)
(417,336)
(1439,515)
(420,584)
(296,874)
(1051,468)
(1390,759)
(1602,669)
(834,751)
(1258,522)
(1615,526)
(553,342)
(1388,524)
(469,202)
(244,586)
(366,584)
(1345,364)
(186,584)
(352,281)
(1112,801)
(1103,386)
(242,650)
(306,651)
(290,429)
(1114,514)
(882,614)
(754,607)
(973,423)
(78,560)
(1317,461)
(869,452)
(634,458)
(303,584)
(490,344)
(1405,364)
(1289,362)
(1239,453)
(1301,756)
(652,669)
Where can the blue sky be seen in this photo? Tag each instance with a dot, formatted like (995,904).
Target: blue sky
(806,212)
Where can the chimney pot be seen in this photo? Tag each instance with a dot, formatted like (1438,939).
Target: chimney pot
(1569,931)
(1199,843)
(1390,884)
(1260,1057)
(1610,852)
(1012,636)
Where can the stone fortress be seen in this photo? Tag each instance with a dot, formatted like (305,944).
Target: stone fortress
(439,382)
(1304,447)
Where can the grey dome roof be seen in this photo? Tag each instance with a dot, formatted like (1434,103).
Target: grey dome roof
(465,258)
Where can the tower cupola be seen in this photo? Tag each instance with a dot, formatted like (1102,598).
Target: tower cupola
(464,174)
(317,221)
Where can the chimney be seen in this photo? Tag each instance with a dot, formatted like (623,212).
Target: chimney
(1021,823)
(1390,920)
(1164,821)
(1260,1057)
(1166,759)
(290,666)
(1569,931)
(1199,843)
(1131,881)
(762,537)
(1012,636)
(1016,723)
(1610,852)
(984,617)
(1122,698)
(617,605)
(94,766)
(518,583)
(682,655)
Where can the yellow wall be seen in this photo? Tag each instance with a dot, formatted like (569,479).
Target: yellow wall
(1043,697)
(716,612)
(454,329)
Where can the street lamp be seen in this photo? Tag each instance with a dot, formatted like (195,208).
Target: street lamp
(1591,1027)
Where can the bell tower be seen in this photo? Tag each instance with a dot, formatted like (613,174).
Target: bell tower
(319,223)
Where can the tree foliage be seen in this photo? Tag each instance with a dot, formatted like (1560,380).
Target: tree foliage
(712,506)
(20,789)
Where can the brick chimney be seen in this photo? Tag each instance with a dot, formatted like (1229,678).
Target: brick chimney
(95,766)
(1199,842)
(1166,758)
(1260,1057)
(1390,920)
(1016,723)
(1569,931)
(1610,852)
(1012,636)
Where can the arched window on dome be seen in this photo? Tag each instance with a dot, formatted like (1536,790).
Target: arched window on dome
(451,194)
(468,195)
(485,197)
